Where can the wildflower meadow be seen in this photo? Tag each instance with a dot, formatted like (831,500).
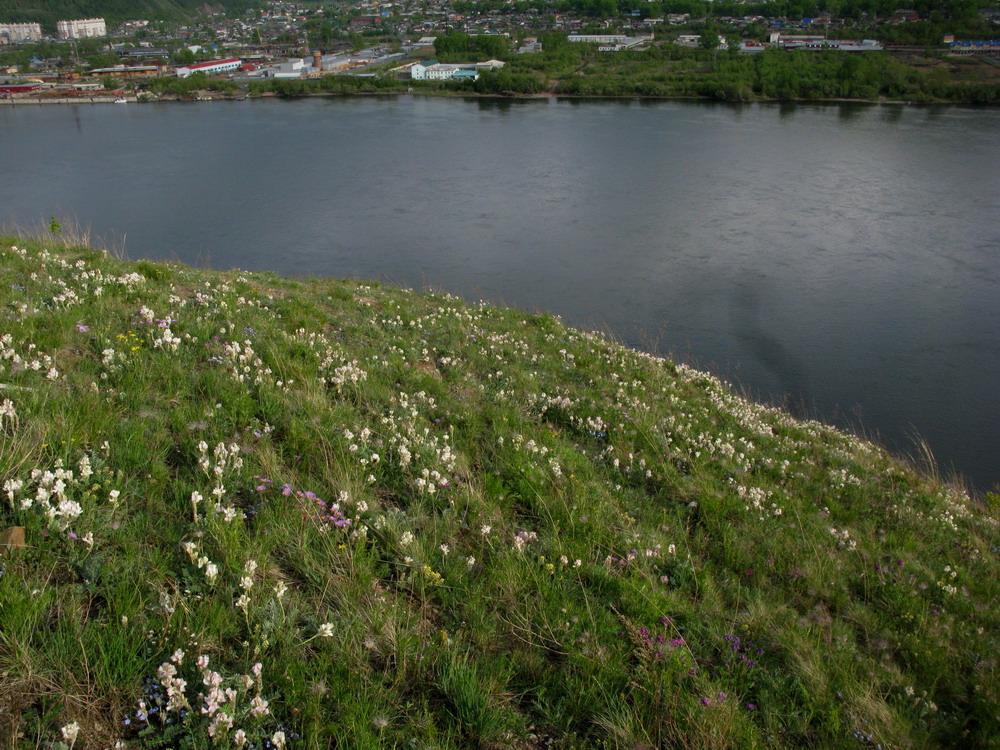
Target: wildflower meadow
(243,511)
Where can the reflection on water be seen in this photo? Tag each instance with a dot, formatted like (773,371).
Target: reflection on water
(838,257)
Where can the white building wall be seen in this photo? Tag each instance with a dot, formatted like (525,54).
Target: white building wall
(596,38)
(222,67)
(20,32)
(81,29)
(440,72)
(443,71)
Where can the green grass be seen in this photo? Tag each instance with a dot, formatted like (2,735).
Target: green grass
(435,524)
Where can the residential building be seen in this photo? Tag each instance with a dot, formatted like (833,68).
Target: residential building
(20,32)
(81,29)
(904,15)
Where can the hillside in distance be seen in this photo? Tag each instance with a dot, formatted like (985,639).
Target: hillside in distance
(113,11)
(240,510)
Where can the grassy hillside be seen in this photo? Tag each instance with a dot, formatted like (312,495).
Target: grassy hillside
(318,513)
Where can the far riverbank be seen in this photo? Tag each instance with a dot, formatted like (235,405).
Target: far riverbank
(28,101)
(664,73)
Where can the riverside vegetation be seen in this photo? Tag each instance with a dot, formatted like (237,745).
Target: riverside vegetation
(668,71)
(263,512)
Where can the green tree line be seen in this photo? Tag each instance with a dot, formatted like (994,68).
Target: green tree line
(186,87)
(774,74)
(456,47)
(953,10)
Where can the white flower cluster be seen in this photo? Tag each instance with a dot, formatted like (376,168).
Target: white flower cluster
(8,413)
(112,360)
(66,297)
(83,282)
(843,538)
(222,704)
(348,373)
(51,493)
(225,460)
(33,360)
(757,502)
(193,551)
(166,340)
(522,538)
(541,451)
(345,374)
(421,453)
(950,574)
(246,583)
(840,478)
(246,367)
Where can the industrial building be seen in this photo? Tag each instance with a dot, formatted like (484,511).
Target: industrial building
(596,38)
(975,48)
(214,67)
(20,32)
(81,29)
(13,89)
(432,70)
(126,71)
(611,42)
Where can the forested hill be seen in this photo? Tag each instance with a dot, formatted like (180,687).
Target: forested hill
(47,12)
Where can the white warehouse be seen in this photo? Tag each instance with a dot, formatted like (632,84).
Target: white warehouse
(210,68)
(432,70)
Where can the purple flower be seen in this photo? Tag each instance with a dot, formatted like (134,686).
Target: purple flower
(81,327)
(706,701)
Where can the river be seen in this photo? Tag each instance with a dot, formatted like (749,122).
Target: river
(843,260)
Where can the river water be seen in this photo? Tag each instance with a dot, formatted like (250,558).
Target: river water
(841,259)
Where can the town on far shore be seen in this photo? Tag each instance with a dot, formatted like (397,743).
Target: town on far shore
(400,41)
